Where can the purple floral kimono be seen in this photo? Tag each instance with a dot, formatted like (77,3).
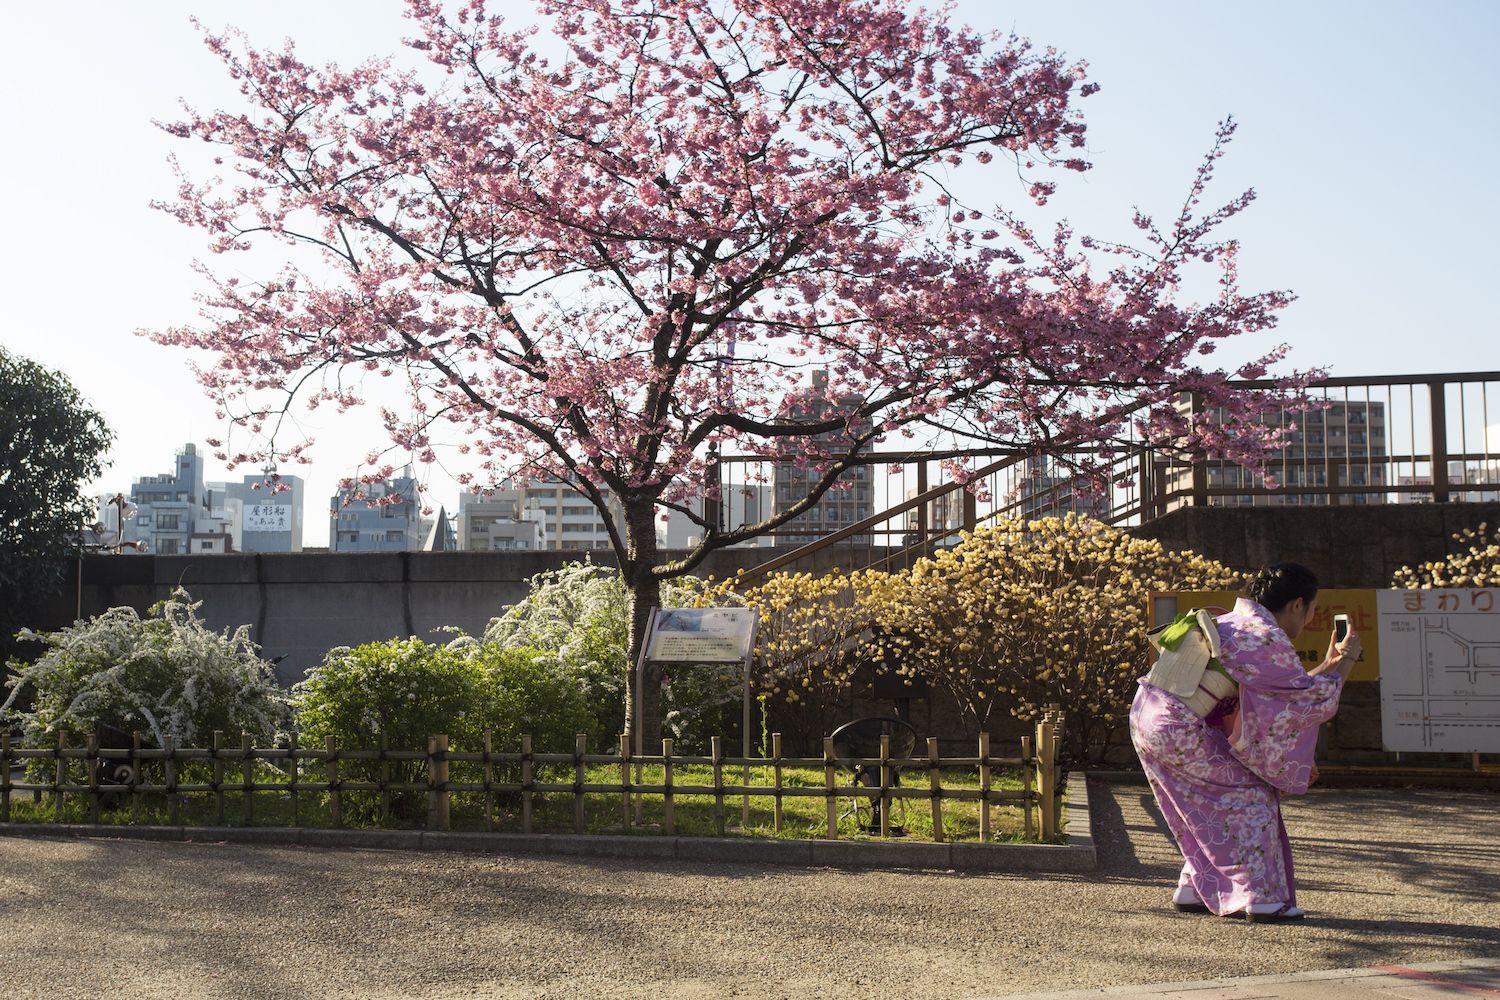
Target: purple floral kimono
(1219,781)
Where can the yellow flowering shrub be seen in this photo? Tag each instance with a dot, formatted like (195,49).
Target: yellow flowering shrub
(1037,613)
(813,636)
(1476,563)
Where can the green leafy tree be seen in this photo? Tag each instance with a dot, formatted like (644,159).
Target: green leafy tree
(405,690)
(51,441)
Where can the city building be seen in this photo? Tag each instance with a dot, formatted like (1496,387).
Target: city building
(379,517)
(569,520)
(178,513)
(852,498)
(1464,478)
(1047,490)
(740,504)
(945,518)
(538,513)
(496,523)
(1329,450)
(175,512)
(266,514)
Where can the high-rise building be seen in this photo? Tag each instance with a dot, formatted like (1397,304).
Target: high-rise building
(1328,455)
(852,498)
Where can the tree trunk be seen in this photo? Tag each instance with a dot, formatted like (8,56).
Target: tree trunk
(645,594)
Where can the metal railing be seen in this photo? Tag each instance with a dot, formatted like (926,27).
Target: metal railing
(1372,440)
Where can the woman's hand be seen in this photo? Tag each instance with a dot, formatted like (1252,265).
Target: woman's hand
(1342,656)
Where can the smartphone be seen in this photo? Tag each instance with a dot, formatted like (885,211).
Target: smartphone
(1340,627)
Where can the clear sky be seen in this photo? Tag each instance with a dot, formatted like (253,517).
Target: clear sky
(1368,128)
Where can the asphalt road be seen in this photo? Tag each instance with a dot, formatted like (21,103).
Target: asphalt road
(1389,877)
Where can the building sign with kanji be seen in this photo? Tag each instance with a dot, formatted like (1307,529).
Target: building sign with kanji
(268,517)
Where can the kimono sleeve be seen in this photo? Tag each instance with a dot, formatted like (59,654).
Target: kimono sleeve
(1281,707)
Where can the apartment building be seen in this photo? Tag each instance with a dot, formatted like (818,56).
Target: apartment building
(379,517)
(853,499)
(536,513)
(496,523)
(175,512)
(1327,453)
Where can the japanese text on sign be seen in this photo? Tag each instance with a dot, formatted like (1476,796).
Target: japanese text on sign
(1440,689)
(700,635)
(268,517)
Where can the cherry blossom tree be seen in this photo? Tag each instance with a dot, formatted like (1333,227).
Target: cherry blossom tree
(611,265)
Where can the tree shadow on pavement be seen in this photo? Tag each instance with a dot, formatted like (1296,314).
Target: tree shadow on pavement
(1138,847)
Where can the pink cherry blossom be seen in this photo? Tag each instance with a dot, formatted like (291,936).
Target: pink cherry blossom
(600,267)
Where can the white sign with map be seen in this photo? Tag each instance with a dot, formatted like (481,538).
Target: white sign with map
(268,517)
(700,635)
(1440,670)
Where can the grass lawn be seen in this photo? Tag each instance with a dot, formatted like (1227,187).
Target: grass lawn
(803,817)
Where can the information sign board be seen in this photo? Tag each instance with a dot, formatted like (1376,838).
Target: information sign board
(701,635)
(1440,686)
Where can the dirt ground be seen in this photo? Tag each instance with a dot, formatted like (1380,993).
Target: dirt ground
(1390,876)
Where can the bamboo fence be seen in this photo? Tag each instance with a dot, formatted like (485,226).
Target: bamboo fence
(232,771)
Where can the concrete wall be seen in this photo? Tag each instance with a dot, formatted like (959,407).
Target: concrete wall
(1344,546)
(299,605)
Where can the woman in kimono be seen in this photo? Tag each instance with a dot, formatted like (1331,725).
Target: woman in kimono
(1219,777)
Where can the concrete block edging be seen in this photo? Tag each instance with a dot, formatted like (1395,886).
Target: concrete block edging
(1078,854)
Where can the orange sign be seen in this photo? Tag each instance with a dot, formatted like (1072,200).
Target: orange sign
(1312,644)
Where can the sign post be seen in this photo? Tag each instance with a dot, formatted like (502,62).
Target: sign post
(695,636)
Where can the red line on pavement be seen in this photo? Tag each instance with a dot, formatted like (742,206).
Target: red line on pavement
(1427,977)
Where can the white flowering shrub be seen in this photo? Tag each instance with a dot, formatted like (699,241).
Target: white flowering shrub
(577,620)
(163,675)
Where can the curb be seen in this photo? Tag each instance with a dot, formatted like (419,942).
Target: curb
(1077,855)
(1231,982)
